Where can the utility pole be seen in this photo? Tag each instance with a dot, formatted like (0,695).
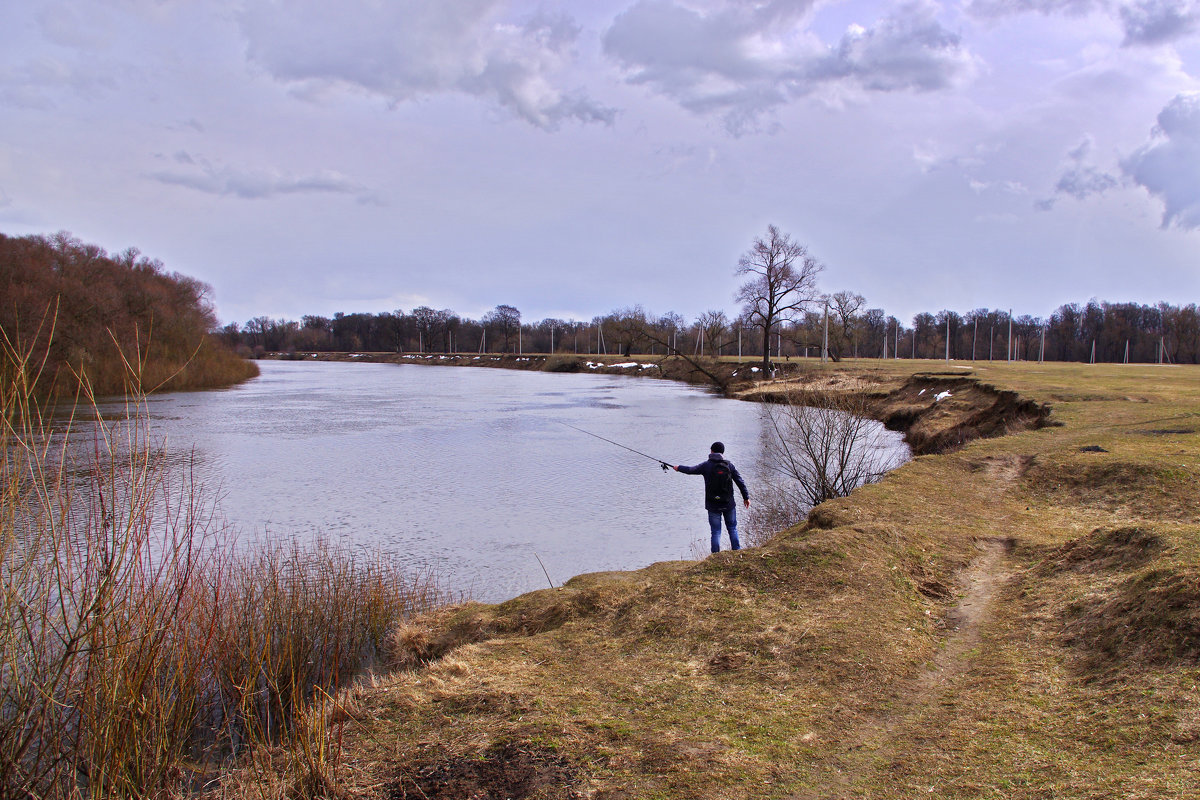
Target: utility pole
(974,338)
(947,337)
(825,345)
(1010,350)
(1042,350)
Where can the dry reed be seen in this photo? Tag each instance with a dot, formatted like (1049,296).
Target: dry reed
(141,652)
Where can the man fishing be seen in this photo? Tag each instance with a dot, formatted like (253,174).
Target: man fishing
(719,477)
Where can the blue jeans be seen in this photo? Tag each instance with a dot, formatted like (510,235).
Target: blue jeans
(714,522)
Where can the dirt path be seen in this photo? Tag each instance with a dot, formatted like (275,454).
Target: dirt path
(881,738)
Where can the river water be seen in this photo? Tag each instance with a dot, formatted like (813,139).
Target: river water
(470,472)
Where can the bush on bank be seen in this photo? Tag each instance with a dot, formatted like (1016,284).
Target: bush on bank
(89,314)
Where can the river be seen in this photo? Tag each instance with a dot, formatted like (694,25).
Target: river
(471,472)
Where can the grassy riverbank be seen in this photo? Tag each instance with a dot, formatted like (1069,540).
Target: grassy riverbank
(1018,617)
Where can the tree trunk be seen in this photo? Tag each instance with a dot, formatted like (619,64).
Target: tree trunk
(766,361)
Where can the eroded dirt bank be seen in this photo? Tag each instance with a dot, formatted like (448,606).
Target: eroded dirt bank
(1014,617)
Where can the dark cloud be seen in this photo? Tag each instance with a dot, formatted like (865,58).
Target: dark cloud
(1168,166)
(741,60)
(1084,181)
(1153,22)
(1145,22)
(194,172)
(409,49)
(909,50)
(1081,179)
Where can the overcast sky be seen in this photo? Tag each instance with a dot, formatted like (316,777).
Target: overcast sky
(307,157)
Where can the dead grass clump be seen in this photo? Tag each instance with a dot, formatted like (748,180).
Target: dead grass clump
(504,771)
(1116,485)
(408,646)
(419,640)
(1151,618)
(1107,549)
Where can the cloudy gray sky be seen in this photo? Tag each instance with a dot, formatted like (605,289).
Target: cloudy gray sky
(304,156)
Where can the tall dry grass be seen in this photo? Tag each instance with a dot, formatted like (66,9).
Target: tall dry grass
(141,651)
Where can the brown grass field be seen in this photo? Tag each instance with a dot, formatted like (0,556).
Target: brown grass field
(1010,616)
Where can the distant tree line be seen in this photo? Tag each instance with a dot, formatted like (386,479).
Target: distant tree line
(783,315)
(854,331)
(94,315)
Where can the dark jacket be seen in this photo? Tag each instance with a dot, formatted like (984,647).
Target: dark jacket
(712,485)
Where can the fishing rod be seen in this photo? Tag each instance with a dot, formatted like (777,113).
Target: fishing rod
(665,466)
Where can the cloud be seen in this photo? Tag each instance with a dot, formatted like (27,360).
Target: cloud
(194,172)
(1081,179)
(741,60)
(409,49)
(1152,22)
(41,80)
(1145,22)
(1008,8)
(1168,165)
(908,50)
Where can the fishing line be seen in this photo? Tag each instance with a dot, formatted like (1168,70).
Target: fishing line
(661,463)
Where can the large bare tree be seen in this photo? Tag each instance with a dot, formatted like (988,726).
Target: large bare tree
(506,318)
(782,282)
(713,325)
(844,307)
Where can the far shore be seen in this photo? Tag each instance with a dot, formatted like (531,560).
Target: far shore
(901,391)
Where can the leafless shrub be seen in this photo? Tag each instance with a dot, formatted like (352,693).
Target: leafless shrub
(817,446)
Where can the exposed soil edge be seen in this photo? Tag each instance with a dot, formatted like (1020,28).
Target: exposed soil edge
(913,408)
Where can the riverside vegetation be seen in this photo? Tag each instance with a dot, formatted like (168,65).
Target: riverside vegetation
(85,311)
(142,652)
